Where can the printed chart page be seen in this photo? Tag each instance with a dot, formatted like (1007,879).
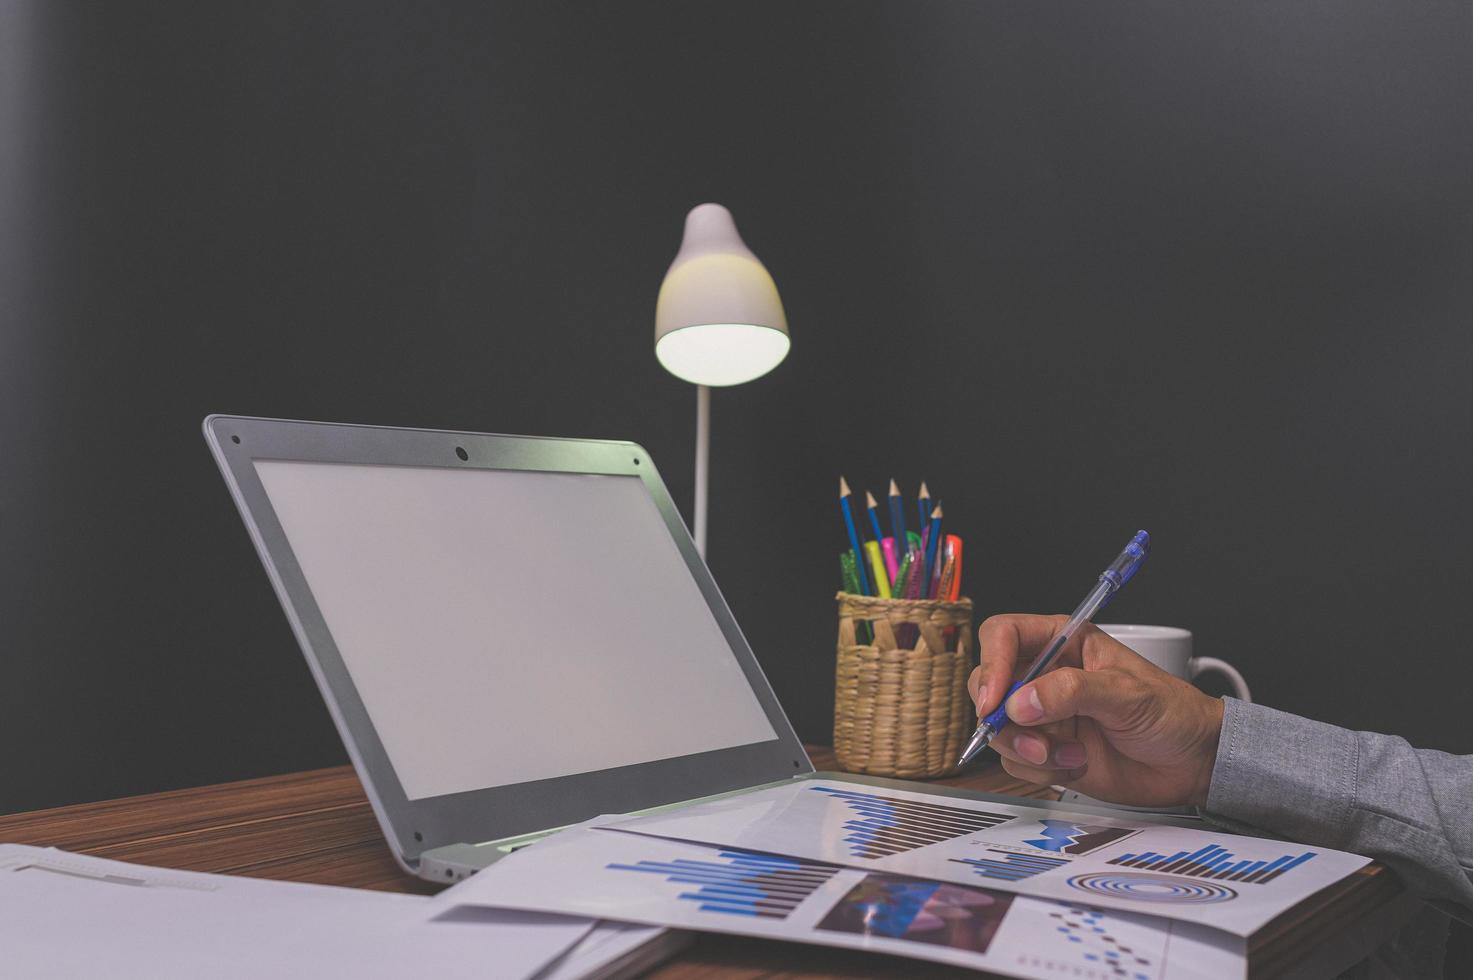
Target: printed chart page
(69,915)
(615,875)
(1191,874)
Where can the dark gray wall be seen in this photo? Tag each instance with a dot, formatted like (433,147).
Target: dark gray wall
(1200,269)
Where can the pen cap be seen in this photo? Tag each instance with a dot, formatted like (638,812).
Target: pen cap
(1124,567)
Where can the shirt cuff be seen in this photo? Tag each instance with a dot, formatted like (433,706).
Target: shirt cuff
(1286,774)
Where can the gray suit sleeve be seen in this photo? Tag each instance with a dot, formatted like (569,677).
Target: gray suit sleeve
(1411,809)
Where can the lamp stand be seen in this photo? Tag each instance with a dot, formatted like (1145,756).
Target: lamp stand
(703,464)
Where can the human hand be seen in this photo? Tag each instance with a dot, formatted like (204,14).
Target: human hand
(1105,722)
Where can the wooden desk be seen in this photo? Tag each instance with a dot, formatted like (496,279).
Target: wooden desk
(317,826)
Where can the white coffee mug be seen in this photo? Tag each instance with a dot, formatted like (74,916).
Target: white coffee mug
(1170,648)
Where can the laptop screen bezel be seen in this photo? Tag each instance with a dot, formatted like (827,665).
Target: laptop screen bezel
(415,826)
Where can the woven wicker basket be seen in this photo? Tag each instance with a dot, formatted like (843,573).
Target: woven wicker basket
(903,712)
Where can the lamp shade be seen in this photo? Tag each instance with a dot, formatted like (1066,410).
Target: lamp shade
(718,320)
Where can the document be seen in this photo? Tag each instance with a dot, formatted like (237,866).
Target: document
(1194,874)
(612,874)
(67,915)
(616,949)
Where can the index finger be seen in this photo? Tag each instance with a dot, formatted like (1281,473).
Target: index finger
(1008,641)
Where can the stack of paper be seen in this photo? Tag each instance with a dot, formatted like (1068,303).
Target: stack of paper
(1014,889)
(1018,890)
(68,916)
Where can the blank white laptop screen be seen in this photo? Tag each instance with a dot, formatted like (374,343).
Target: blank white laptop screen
(504,626)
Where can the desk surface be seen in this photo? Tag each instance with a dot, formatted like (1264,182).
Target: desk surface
(316,826)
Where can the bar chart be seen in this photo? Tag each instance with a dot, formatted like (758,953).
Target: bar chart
(885,825)
(1216,862)
(1010,866)
(741,883)
(1067,837)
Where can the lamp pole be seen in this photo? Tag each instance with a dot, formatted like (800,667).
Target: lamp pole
(703,464)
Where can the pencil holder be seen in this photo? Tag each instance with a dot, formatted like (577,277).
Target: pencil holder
(900,703)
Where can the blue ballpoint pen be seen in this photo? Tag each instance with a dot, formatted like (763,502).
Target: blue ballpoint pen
(1112,579)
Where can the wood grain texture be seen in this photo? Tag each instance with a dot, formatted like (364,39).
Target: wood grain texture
(317,827)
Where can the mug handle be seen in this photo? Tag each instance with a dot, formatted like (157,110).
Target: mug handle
(1201,665)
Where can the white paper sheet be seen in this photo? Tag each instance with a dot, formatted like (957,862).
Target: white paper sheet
(1190,874)
(65,916)
(615,949)
(617,875)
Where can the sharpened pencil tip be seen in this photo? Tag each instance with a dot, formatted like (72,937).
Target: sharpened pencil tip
(894,490)
(843,487)
(869,499)
(924,492)
(937,511)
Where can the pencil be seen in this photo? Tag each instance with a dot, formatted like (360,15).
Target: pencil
(923,506)
(874,523)
(897,519)
(853,535)
(933,540)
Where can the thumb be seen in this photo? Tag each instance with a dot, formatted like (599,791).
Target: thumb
(1111,697)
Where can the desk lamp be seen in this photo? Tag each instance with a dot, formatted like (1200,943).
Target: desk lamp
(718,322)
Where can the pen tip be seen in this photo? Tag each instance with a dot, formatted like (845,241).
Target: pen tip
(869,499)
(843,487)
(894,490)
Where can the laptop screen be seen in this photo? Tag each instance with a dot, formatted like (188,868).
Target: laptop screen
(478,608)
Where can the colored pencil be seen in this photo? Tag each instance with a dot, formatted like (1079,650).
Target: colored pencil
(933,541)
(897,519)
(848,513)
(925,550)
(923,506)
(877,566)
(874,523)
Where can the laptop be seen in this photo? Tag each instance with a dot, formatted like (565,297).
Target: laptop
(512,634)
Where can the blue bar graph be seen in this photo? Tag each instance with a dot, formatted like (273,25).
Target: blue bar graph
(1214,861)
(1008,866)
(760,885)
(886,825)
